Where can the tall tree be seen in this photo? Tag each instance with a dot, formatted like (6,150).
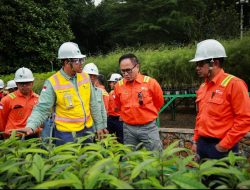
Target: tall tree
(31,33)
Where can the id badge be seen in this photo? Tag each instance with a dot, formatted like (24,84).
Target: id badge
(68,101)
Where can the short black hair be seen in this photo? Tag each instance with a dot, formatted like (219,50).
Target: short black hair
(101,79)
(130,56)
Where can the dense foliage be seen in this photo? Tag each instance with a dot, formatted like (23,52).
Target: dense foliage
(32,31)
(108,165)
(168,64)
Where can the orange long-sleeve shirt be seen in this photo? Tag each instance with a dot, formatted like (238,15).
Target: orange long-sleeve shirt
(223,112)
(113,109)
(126,98)
(15,110)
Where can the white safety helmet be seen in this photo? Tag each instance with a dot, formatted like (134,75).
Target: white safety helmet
(1,83)
(91,68)
(209,49)
(69,50)
(11,84)
(23,75)
(115,77)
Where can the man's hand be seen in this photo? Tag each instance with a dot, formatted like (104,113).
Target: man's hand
(194,147)
(220,148)
(27,130)
(101,133)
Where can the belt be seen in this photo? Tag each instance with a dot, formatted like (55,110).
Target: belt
(210,139)
(114,117)
(140,125)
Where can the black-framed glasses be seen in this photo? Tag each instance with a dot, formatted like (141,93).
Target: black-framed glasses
(129,71)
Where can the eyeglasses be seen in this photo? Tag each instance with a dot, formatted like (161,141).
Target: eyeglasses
(129,71)
(203,62)
(200,63)
(77,61)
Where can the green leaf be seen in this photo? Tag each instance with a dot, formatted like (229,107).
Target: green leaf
(91,177)
(139,168)
(185,182)
(71,176)
(58,158)
(32,150)
(119,184)
(38,168)
(55,184)
(71,147)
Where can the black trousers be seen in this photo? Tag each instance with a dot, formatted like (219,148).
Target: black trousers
(115,126)
(206,148)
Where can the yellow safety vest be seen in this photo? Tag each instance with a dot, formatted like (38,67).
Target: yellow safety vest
(72,107)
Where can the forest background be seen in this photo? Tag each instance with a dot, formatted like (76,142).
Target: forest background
(163,33)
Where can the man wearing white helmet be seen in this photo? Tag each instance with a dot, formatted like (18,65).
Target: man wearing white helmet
(93,72)
(11,86)
(1,88)
(115,125)
(69,92)
(16,107)
(94,75)
(223,104)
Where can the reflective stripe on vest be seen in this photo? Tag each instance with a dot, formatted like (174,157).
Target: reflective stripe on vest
(226,80)
(12,95)
(146,79)
(120,82)
(70,120)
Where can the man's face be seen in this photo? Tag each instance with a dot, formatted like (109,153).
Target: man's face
(202,69)
(25,87)
(93,78)
(112,84)
(77,65)
(128,69)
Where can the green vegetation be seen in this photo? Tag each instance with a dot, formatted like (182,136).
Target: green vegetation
(32,31)
(168,64)
(108,164)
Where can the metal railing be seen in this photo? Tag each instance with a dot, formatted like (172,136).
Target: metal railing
(171,98)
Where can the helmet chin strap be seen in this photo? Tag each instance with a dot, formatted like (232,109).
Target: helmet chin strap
(210,68)
(71,66)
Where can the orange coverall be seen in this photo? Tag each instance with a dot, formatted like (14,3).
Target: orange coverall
(223,111)
(128,96)
(15,110)
(113,110)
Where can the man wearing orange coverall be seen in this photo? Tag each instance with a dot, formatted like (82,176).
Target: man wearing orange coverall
(223,104)
(139,99)
(16,107)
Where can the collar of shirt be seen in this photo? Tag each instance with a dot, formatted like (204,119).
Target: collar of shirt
(217,78)
(67,76)
(139,79)
(18,93)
